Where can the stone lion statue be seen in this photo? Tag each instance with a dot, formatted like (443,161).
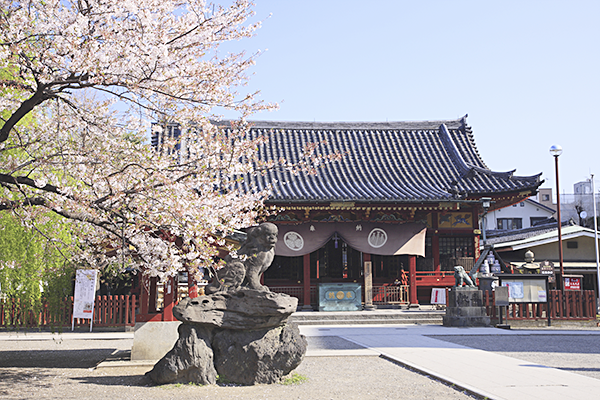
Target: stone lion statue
(461,277)
(253,258)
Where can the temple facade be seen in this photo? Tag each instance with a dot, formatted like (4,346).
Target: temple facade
(401,208)
(391,218)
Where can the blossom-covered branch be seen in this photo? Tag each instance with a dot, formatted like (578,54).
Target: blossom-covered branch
(82,84)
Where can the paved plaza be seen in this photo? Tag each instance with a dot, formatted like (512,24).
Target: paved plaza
(342,362)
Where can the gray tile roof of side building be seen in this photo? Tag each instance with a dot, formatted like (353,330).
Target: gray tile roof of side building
(382,162)
(498,236)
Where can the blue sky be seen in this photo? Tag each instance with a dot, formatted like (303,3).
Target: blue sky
(526,72)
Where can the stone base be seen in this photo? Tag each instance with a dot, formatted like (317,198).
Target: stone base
(152,340)
(246,357)
(464,307)
(242,335)
(190,359)
(258,357)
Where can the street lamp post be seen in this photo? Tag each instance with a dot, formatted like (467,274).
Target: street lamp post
(486,203)
(556,151)
(596,242)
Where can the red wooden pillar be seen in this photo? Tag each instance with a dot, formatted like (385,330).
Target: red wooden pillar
(306,282)
(192,286)
(412,276)
(169,295)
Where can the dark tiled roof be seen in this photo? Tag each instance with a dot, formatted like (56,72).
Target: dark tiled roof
(496,236)
(383,162)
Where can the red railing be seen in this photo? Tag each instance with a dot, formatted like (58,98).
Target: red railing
(567,305)
(435,278)
(108,311)
(390,294)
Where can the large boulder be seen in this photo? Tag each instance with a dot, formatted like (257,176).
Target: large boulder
(258,356)
(242,309)
(190,359)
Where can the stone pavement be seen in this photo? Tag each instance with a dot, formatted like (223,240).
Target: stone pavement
(483,373)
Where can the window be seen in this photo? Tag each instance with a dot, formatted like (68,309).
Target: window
(572,244)
(452,248)
(510,223)
(545,197)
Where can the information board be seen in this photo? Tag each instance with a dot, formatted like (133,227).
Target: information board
(525,290)
(572,283)
(85,293)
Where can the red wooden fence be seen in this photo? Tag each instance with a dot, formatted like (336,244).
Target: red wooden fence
(568,305)
(108,311)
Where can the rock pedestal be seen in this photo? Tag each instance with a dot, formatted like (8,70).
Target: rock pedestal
(241,336)
(464,307)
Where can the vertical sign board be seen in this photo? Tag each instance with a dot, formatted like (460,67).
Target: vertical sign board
(85,295)
(572,282)
(438,296)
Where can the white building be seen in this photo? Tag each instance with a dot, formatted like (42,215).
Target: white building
(518,216)
(578,244)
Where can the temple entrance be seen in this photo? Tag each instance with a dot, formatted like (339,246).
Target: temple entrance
(336,261)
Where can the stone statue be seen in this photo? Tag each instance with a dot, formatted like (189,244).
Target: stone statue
(253,259)
(461,277)
(238,330)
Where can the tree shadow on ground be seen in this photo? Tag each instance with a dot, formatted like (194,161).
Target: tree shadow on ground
(115,380)
(87,358)
(37,378)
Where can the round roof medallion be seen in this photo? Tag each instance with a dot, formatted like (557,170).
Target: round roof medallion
(377,238)
(293,241)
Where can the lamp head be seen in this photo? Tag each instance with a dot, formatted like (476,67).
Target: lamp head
(486,202)
(556,150)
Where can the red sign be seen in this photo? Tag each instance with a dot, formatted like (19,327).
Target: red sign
(572,283)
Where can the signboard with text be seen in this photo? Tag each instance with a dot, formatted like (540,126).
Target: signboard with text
(85,293)
(525,288)
(438,296)
(547,268)
(572,282)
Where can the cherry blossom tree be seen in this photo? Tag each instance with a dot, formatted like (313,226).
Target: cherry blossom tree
(84,82)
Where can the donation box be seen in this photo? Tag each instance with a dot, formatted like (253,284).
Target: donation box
(340,297)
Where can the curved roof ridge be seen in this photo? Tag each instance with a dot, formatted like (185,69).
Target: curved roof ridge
(471,138)
(358,125)
(463,167)
(507,174)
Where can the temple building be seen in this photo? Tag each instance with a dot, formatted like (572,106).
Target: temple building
(393,216)
(401,207)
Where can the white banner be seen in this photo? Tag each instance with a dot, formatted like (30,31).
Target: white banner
(438,296)
(85,293)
